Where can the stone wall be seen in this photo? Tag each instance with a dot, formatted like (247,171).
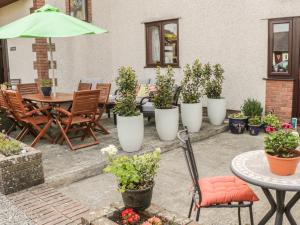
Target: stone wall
(21,171)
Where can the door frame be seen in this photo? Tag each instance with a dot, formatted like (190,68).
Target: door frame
(4,56)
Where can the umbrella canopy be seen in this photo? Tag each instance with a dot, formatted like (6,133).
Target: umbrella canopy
(48,22)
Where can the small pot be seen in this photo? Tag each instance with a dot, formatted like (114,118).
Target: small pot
(137,199)
(254,129)
(46,91)
(237,126)
(283,166)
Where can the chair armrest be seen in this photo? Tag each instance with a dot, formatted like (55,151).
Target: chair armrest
(143,100)
(45,109)
(63,111)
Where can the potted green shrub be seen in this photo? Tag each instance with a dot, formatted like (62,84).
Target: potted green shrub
(130,122)
(166,115)
(191,92)
(252,108)
(46,86)
(280,147)
(254,124)
(216,104)
(271,122)
(135,176)
(237,123)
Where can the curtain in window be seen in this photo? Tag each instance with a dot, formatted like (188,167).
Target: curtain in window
(155,44)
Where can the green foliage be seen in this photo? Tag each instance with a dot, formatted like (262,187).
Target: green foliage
(46,83)
(237,116)
(193,83)
(271,120)
(9,147)
(214,80)
(282,143)
(252,108)
(134,172)
(254,121)
(126,99)
(165,84)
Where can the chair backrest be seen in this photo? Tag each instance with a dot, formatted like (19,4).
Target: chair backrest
(29,88)
(104,89)
(84,86)
(85,102)
(186,145)
(15,102)
(3,101)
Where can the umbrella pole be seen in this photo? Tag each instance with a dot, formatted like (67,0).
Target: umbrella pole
(52,67)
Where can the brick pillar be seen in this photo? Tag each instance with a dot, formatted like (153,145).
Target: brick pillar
(279,98)
(41,48)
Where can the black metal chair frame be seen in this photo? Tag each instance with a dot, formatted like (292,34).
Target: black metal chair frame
(184,138)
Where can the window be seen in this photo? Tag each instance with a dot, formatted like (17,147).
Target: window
(162,43)
(78,9)
(280,46)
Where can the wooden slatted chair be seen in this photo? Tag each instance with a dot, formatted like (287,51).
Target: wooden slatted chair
(104,89)
(81,118)
(84,86)
(215,192)
(4,107)
(36,121)
(29,88)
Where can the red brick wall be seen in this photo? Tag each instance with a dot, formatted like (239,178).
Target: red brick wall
(279,98)
(89,9)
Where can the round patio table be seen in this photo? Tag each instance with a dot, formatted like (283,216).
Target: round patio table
(253,168)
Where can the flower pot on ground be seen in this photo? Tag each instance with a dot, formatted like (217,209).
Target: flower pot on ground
(216,105)
(130,124)
(192,87)
(280,147)
(237,123)
(166,115)
(270,123)
(46,87)
(254,124)
(252,108)
(135,176)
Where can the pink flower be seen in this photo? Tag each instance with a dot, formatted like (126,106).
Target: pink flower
(146,223)
(270,129)
(287,126)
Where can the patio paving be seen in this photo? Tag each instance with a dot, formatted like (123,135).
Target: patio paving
(63,167)
(173,182)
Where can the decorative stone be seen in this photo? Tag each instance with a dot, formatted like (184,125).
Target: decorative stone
(22,171)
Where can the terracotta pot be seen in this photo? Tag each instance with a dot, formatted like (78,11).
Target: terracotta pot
(283,166)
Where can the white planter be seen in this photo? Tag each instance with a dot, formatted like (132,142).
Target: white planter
(167,121)
(216,110)
(130,132)
(191,116)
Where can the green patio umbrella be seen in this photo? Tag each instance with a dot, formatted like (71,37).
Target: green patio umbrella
(48,22)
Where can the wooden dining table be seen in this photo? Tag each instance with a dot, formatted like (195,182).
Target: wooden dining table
(57,99)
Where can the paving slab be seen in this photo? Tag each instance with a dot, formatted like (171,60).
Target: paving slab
(172,188)
(63,166)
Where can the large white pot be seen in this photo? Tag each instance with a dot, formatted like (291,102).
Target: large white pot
(130,132)
(191,116)
(167,121)
(216,110)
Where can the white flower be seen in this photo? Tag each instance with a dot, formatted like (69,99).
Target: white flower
(158,150)
(109,150)
(295,133)
(23,151)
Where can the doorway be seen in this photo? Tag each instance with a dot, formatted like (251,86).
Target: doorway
(4,69)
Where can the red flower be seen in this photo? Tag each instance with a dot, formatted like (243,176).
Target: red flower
(287,126)
(129,216)
(270,129)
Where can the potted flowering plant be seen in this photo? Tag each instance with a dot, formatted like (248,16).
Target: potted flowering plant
(135,176)
(191,92)
(270,122)
(280,147)
(130,122)
(166,115)
(216,104)
(237,123)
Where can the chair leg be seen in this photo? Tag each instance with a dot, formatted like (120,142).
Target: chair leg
(198,214)
(11,129)
(239,215)
(191,208)
(251,215)
(21,133)
(42,132)
(64,135)
(104,130)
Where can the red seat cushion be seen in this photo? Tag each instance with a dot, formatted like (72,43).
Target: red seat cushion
(226,189)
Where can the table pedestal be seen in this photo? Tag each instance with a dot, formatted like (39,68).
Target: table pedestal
(279,207)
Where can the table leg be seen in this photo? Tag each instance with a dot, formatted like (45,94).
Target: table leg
(279,207)
(272,211)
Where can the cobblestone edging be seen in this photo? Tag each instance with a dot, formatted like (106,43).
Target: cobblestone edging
(98,217)
(22,171)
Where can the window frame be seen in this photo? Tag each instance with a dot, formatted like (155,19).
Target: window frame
(271,73)
(86,10)
(160,24)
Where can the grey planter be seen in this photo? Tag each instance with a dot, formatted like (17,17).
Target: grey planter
(21,171)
